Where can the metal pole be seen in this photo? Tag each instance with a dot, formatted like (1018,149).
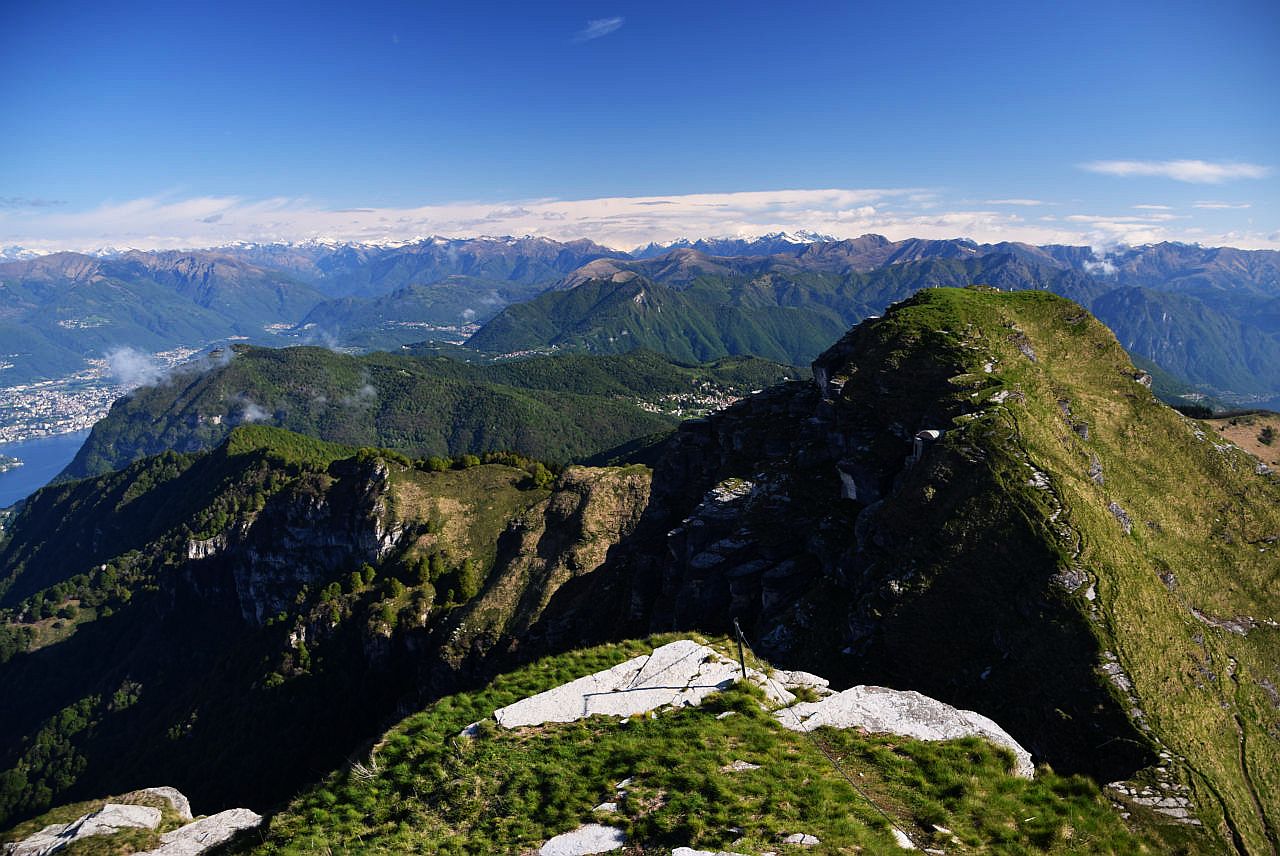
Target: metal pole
(742,659)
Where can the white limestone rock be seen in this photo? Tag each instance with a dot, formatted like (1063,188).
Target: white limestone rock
(792,680)
(739,767)
(677,674)
(909,714)
(585,840)
(109,819)
(190,840)
(802,839)
(206,833)
(689,851)
(176,798)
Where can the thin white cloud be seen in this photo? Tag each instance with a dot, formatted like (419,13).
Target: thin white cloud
(598,28)
(133,368)
(1224,206)
(1152,207)
(1126,218)
(1027,203)
(1191,171)
(621,222)
(28,202)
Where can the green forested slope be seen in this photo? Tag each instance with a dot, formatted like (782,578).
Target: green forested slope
(234,622)
(780,309)
(554,408)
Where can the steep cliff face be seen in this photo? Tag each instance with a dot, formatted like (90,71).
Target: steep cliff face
(304,536)
(566,538)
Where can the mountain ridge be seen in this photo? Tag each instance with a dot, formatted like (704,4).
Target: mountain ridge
(366,296)
(1124,621)
(1233,330)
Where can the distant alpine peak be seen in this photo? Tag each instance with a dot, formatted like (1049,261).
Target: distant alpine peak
(20,254)
(800,236)
(387,243)
(733,245)
(314,243)
(15,253)
(113,252)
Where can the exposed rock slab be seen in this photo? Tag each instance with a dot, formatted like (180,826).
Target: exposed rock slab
(677,674)
(795,679)
(739,767)
(109,819)
(802,839)
(176,798)
(1167,797)
(902,840)
(686,672)
(591,838)
(206,833)
(909,714)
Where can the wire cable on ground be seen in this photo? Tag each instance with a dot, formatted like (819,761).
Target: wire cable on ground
(826,753)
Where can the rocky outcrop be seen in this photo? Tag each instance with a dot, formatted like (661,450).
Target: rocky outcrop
(909,714)
(1166,797)
(302,536)
(802,839)
(176,799)
(684,673)
(108,820)
(205,834)
(678,674)
(191,839)
(585,840)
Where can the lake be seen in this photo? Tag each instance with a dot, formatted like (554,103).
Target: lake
(42,459)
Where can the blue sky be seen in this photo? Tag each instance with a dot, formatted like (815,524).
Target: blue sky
(183,123)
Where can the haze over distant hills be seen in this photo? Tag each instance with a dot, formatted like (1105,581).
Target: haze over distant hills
(59,309)
(1210,316)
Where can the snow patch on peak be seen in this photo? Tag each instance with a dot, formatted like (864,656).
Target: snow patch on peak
(801,236)
(21,254)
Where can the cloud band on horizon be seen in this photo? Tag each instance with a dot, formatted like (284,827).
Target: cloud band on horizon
(619,222)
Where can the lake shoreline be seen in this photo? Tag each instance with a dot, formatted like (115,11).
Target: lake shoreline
(42,459)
